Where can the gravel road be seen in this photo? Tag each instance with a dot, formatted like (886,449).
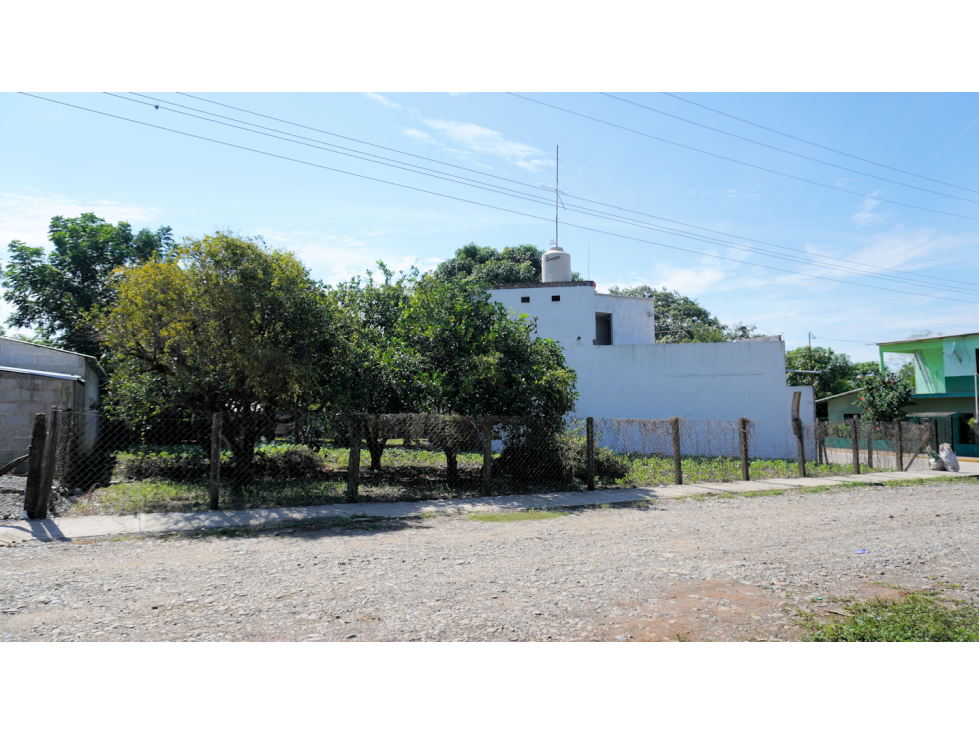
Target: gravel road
(720,569)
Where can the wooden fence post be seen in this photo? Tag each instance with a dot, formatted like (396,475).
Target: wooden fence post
(854,443)
(50,460)
(743,448)
(353,465)
(800,442)
(215,479)
(899,448)
(35,466)
(590,438)
(487,455)
(870,444)
(677,454)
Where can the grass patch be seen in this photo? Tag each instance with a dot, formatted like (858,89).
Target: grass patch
(918,617)
(763,493)
(515,516)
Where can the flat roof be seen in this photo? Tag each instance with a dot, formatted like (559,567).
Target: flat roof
(38,373)
(928,338)
(556,284)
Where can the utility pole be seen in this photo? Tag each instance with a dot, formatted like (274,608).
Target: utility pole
(557,186)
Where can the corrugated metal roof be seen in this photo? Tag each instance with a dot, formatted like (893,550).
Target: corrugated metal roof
(928,339)
(38,373)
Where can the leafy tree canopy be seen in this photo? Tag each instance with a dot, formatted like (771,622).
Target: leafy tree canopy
(838,372)
(224,325)
(681,320)
(884,395)
(52,292)
(520,264)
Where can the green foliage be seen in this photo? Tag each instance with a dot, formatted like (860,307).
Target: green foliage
(516,516)
(222,325)
(838,372)
(681,320)
(919,617)
(52,293)
(191,464)
(485,265)
(884,396)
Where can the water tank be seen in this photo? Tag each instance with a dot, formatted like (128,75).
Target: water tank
(555,266)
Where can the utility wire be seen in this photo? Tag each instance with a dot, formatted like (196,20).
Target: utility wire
(784,150)
(528,197)
(488,206)
(744,163)
(824,147)
(512,181)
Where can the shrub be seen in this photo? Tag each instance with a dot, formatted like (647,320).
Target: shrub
(271,462)
(919,617)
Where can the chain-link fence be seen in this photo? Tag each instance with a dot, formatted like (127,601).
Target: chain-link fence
(233,461)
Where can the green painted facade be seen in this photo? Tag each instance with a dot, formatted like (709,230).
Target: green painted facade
(944,365)
(944,382)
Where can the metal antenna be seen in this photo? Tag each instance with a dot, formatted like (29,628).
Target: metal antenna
(557,191)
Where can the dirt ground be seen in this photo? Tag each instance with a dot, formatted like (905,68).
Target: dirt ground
(723,568)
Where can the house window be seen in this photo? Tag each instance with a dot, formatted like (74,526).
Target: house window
(603,329)
(524,299)
(555,298)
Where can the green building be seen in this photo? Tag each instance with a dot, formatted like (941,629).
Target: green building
(945,369)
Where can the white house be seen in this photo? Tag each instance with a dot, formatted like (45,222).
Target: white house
(610,342)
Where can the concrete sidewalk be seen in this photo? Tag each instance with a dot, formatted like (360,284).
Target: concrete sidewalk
(67,528)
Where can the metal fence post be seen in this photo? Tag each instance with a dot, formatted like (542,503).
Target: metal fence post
(353,466)
(854,443)
(50,459)
(743,448)
(590,436)
(35,466)
(899,448)
(677,454)
(487,455)
(215,479)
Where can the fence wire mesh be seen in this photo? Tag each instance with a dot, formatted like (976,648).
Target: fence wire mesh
(308,459)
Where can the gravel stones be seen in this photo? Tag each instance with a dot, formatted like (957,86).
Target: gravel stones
(720,569)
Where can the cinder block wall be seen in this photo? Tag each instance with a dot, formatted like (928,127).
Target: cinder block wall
(21,398)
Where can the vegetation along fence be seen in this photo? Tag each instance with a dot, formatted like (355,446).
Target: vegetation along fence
(255,460)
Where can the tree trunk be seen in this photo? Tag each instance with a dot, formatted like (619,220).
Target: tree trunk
(243,448)
(375,444)
(451,464)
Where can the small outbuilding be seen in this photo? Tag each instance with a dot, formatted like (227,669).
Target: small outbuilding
(34,379)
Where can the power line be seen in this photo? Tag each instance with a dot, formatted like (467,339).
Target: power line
(784,150)
(744,163)
(478,203)
(511,181)
(536,198)
(824,147)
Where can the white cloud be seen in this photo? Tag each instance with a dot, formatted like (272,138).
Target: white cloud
(420,136)
(27,218)
(483,140)
(865,212)
(457,94)
(382,100)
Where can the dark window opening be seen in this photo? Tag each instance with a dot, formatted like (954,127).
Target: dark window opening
(555,298)
(603,329)
(524,299)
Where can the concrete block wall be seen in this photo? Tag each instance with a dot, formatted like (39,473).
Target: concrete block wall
(27,356)
(21,398)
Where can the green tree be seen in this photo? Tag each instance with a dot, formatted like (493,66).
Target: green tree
(52,293)
(884,395)
(681,320)
(521,264)
(475,359)
(837,371)
(224,325)
(383,373)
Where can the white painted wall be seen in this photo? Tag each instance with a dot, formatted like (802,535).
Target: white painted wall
(637,378)
(632,318)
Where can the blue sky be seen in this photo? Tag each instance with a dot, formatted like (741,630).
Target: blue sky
(65,161)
